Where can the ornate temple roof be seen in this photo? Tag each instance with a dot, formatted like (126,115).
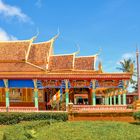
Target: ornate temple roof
(61,62)
(14,50)
(39,54)
(26,59)
(17,67)
(85,63)
(20,55)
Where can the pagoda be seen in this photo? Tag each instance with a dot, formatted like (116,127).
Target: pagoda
(32,76)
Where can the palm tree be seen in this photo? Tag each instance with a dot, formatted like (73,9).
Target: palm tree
(125,66)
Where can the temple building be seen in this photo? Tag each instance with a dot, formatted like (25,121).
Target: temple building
(32,76)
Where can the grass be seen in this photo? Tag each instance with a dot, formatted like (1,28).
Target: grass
(46,130)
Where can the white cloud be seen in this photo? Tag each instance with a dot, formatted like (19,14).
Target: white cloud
(38,3)
(12,11)
(126,56)
(4,36)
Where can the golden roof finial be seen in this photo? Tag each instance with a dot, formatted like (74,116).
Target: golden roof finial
(100,69)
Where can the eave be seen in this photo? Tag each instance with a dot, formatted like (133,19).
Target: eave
(65,75)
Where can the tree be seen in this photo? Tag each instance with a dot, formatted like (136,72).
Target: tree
(125,66)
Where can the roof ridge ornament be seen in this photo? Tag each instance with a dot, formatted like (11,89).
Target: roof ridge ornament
(35,37)
(30,45)
(100,68)
(78,51)
(56,36)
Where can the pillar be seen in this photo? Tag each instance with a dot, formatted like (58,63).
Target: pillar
(7,98)
(124,98)
(110,100)
(124,92)
(107,100)
(67,92)
(119,99)
(93,98)
(114,99)
(36,97)
(93,93)
(6,93)
(35,93)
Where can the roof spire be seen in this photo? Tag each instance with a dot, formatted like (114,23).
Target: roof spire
(100,68)
(78,51)
(35,37)
(57,35)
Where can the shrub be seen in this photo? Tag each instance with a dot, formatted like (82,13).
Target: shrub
(13,118)
(24,131)
(136,115)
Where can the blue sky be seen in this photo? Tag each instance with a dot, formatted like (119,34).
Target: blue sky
(110,25)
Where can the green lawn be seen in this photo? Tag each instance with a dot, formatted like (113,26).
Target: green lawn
(44,130)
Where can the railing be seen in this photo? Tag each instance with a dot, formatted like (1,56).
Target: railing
(98,107)
(18,109)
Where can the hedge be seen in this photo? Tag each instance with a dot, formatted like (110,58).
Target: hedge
(136,115)
(25,131)
(14,118)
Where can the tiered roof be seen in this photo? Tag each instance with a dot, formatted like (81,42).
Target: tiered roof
(85,63)
(16,56)
(13,50)
(25,59)
(61,62)
(39,54)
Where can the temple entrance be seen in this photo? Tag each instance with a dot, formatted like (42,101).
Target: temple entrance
(99,100)
(80,96)
(80,99)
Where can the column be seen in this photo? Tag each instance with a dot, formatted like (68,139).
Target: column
(6,93)
(114,99)
(35,93)
(67,92)
(93,93)
(110,100)
(93,97)
(124,98)
(119,97)
(124,92)
(36,97)
(107,100)
(104,100)
(7,98)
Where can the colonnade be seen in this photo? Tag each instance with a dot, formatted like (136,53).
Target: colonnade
(7,100)
(115,97)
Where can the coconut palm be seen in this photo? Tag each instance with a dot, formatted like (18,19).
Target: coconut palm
(125,66)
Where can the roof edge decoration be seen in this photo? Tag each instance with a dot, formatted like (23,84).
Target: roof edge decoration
(51,41)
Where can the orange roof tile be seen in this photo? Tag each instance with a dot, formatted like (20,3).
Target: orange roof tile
(39,53)
(84,63)
(60,62)
(13,50)
(17,67)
